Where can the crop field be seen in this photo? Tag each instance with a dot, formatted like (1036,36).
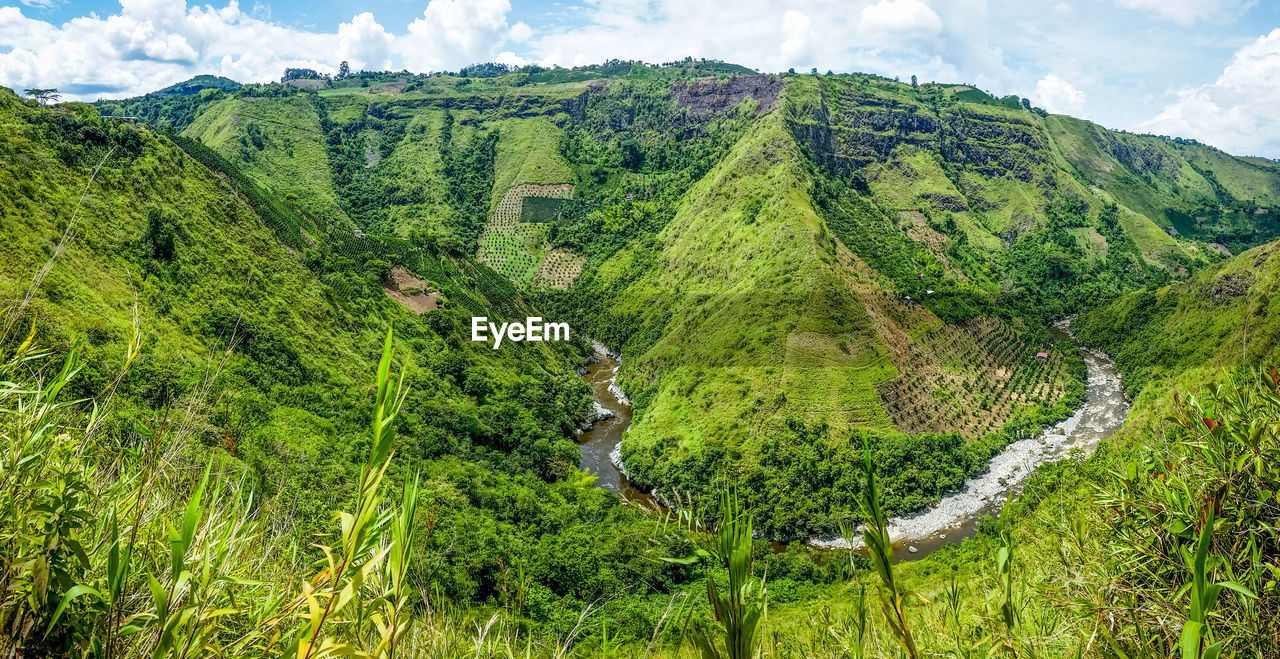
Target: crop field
(971,379)
(518,249)
(559,269)
(540,209)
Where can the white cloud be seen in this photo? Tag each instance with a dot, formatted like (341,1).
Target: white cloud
(509,58)
(454,33)
(520,32)
(150,44)
(1236,112)
(1184,12)
(894,19)
(1059,96)
(795,47)
(364,43)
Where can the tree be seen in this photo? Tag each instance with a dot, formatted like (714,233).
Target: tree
(344,70)
(44,96)
(914,84)
(813,71)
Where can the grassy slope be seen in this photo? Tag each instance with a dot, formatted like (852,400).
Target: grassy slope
(415,163)
(1184,335)
(1001,167)
(293,159)
(1156,178)
(528,152)
(229,270)
(757,314)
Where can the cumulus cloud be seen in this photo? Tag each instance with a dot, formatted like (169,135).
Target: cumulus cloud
(795,45)
(520,32)
(364,43)
(1236,112)
(150,44)
(1059,96)
(454,33)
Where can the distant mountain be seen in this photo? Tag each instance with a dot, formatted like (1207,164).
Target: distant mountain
(197,84)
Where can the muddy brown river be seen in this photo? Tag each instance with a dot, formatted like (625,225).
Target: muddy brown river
(950,520)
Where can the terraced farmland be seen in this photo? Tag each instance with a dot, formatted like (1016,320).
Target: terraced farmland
(519,249)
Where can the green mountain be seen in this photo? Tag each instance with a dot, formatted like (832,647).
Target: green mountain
(778,259)
(792,268)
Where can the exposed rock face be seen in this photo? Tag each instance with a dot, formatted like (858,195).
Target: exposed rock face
(707,96)
(851,128)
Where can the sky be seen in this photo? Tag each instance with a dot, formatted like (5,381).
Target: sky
(1202,69)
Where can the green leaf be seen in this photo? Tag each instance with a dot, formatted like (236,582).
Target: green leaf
(74,593)
(1190,643)
(1231,585)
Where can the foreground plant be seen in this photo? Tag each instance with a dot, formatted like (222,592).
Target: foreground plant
(876,537)
(740,608)
(336,592)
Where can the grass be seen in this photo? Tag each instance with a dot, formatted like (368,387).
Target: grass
(528,152)
(292,160)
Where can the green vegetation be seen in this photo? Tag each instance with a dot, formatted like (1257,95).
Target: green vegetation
(829,293)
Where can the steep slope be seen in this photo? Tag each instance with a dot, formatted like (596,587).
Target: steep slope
(490,432)
(1186,188)
(1189,333)
(278,142)
(756,345)
(922,175)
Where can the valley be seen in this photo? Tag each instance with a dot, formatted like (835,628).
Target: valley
(834,307)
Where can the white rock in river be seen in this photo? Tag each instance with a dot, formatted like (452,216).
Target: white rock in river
(912,549)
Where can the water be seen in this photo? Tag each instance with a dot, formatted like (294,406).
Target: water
(602,444)
(952,519)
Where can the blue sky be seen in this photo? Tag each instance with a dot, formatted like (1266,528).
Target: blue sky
(1206,69)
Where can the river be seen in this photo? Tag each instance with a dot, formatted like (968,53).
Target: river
(951,520)
(602,443)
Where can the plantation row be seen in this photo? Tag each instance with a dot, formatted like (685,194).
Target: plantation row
(972,380)
(559,269)
(283,223)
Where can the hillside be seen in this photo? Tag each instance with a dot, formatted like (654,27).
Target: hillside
(795,269)
(266,351)
(836,254)
(1175,337)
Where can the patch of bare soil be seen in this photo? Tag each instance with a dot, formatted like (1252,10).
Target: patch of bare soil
(412,293)
(305,83)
